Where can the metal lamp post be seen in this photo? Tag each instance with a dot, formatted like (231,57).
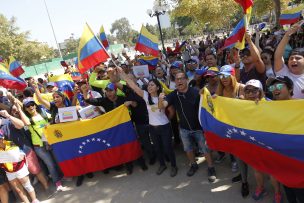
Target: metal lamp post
(158,10)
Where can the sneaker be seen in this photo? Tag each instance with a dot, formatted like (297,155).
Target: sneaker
(90,175)
(220,159)
(259,194)
(79,180)
(193,169)
(173,171)
(35,201)
(234,167)
(236,179)
(278,198)
(211,174)
(59,186)
(161,169)
(245,190)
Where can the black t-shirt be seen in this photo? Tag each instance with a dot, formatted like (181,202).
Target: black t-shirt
(252,74)
(107,104)
(139,114)
(18,136)
(54,113)
(187,106)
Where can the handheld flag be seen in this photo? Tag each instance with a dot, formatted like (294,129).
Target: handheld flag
(291,16)
(246,5)
(64,83)
(95,144)
(103,38)
(237,36)
(151,61)
(10,82)
(147,43)
(90,52)
(15,67)
(263,135)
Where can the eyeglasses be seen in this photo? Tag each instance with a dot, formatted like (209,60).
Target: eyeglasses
(224,76)
(277,86)
(30,104)
(253,91)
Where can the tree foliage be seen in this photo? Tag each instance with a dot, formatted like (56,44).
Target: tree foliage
(121,28)
(16,43)
(71,46)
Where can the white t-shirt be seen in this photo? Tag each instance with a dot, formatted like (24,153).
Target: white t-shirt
(156,116)
(298,82)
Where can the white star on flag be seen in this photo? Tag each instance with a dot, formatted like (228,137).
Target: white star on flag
(83,143)
(108,145)
(243,133)
(269,147)
(98,139)
(229,131)
(88,140)
(261,143)
(228,136)
(234,130)
(252,138)
(103,141)
(79,152)
(93,139)
(80,147)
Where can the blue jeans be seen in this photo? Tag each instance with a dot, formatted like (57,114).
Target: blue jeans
(50,163)
(162,141)
(188,137)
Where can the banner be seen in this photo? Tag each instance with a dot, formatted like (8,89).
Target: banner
(269,136)
(92,145)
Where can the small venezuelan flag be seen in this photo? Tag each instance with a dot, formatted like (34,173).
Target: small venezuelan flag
(246,5)
(147,43)
(291,16)
(91,51)
(237,35)
(151,61)
(103,38)
(64,83)
(10,82)
(15,67)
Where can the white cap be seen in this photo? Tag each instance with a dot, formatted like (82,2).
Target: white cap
(254,83)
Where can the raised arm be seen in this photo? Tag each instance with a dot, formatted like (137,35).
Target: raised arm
(42,101)
(130,82)
(22,115)
(278,55)
(257,40)
(255,54)
(15,121)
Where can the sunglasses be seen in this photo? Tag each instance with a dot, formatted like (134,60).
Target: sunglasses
(211,76)
(224,76)
(253,91)
(30,104)
(277,86)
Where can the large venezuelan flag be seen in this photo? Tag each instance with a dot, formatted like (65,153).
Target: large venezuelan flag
(15,67)
(291,16)
(147,43)
(103,37)
(10,82)
(64,83)
(269,136)
(91,51)
(96,144)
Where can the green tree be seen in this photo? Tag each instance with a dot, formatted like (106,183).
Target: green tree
(71,45)
(121,28)
(17,43)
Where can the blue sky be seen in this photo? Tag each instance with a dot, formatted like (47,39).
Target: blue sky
(69,16)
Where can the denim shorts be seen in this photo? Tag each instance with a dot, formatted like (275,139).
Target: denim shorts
(190,138)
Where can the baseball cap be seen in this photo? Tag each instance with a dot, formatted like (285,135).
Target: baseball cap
(51,84)
(192,61)
(284,79)
(212,71)
(111,86)
(227,70)
(201,71)
(176,64)
(28,100)
(254,83)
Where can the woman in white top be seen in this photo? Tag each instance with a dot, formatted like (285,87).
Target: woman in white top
(159,124)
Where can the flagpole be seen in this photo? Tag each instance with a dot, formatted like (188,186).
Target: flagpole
(47,10)
(102,45)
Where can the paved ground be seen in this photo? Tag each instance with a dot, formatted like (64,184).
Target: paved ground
(147,187)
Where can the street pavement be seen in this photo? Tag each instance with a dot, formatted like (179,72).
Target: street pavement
(147,187)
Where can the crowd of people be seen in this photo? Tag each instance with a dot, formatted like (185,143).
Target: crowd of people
(163,108)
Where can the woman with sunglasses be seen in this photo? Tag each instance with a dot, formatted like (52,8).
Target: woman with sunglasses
(36,120)
(229,87)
